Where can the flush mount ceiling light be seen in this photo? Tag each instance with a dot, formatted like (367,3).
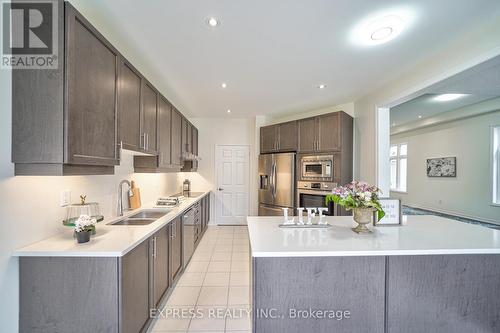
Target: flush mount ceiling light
(223,85)
(448,97)
(419,117)
(228,111)
(213,22)
(322,86)
(382,27)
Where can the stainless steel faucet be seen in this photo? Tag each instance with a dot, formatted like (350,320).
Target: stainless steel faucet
(120,195)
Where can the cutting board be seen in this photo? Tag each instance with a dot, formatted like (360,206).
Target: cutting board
(135,200)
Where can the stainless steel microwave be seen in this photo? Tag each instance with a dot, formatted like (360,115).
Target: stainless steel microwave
(317,167)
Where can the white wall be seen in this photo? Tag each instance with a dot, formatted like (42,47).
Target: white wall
(218,131)
(469,50)
(469,194)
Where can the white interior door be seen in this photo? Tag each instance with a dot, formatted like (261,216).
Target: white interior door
(233,190)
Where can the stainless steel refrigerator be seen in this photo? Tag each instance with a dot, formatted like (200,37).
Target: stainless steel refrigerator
(277,183)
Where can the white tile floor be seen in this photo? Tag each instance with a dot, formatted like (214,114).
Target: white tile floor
(213,294)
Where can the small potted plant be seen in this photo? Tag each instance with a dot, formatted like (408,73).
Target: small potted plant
(84,227)
(362,198)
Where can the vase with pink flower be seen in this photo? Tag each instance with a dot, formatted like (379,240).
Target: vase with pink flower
(363,199)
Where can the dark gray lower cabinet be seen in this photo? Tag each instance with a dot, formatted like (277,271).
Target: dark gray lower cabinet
(443,293)
(68,294)
(175,248)
(284,286)
(159,265)
(134,288)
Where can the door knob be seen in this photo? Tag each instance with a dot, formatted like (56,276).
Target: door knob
(220,189)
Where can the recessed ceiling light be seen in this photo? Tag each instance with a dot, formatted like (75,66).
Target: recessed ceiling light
(228,111)
(223,85)
(382,33)
(322,86)
(419,117)
(448,97)
(212,21)
(382,26)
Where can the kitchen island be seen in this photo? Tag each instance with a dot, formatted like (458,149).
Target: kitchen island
(429,275)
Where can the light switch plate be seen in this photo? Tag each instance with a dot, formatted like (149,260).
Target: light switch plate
(65,198)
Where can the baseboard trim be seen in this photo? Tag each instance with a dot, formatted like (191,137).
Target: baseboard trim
(448,212)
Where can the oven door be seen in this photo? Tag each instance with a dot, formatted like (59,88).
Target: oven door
(315,199)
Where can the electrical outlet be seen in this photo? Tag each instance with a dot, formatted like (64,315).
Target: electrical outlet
(65,198)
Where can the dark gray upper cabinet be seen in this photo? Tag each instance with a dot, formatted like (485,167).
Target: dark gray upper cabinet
(329,132)
(194,136)
(268,135)
(129,106)
(325,133)
(164,133)
(149,117)
(278,138)
(307,133)
(187,128)
(91,88)
(73,120)
(287,136)
(176,138)
(64,121)
(168,145)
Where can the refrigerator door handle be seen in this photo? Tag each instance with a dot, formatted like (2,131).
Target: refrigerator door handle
(274,180)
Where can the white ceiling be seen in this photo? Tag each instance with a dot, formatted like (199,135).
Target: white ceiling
(273,53)
(480,83)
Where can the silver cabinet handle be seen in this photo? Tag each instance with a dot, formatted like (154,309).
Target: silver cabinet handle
(154,247)
(220,189)
(143,141)
(147,141)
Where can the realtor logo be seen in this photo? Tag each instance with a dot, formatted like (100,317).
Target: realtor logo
(29,34)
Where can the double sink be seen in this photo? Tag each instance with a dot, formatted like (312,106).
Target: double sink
(143,217)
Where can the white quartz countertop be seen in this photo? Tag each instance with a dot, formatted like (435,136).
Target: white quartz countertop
(109,241)
(419,235)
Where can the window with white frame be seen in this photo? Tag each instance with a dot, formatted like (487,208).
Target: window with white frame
(495,159)
(399,166)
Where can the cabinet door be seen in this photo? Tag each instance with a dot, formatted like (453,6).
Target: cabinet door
(329,132)
(129,106)
(160,266)
(195,146)
(287,136)
(91,91)
(308,135)
(176,139)
(149,117)
(175,248)
(268,140)
(135,288)
(189,138)
(185,143)
(164,135)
